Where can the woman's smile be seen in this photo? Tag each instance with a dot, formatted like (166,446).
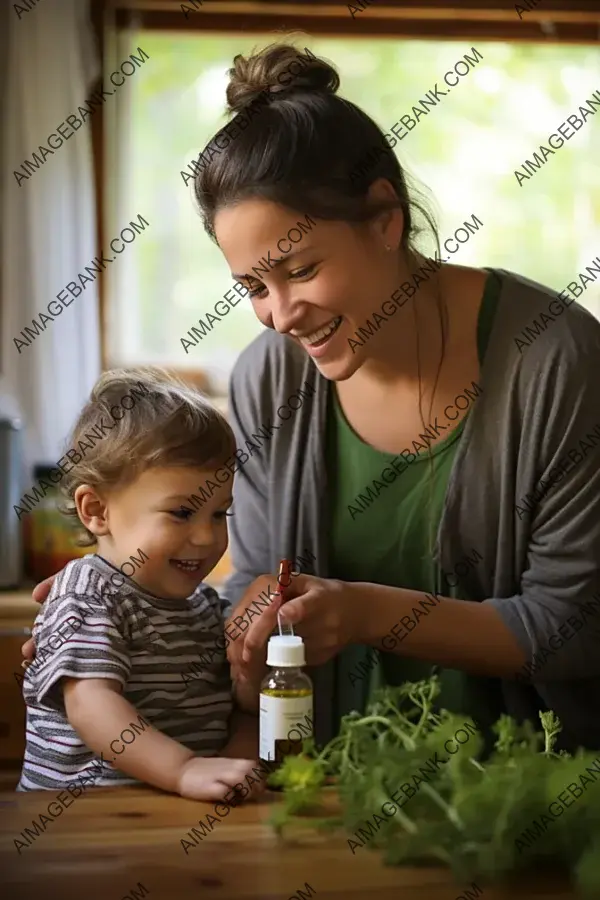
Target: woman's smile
(317,342)
(315,337)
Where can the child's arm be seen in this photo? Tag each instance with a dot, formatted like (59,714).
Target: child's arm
(99,713)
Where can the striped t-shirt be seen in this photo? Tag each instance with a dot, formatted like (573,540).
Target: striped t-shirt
(88,628)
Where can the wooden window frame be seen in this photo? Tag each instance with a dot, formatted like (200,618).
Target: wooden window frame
(569,21)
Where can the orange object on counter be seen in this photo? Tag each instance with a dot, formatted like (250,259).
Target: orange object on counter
(48,535)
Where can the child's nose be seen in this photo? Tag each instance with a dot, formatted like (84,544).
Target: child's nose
(203,534)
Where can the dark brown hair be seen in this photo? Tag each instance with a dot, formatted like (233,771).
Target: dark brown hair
(167,423)
(300,145)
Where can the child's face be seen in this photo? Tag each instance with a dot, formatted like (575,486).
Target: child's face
(147,515)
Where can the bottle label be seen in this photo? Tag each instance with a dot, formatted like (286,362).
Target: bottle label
(285,722)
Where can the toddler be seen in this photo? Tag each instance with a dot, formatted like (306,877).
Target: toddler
(114,651)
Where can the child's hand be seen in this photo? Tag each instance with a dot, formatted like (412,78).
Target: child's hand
(213,778)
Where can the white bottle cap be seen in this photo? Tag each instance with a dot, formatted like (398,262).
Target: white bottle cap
(286,650)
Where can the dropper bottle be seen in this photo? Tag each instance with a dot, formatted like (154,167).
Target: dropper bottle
(286,699)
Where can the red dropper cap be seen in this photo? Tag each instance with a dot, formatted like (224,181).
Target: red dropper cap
(284,578)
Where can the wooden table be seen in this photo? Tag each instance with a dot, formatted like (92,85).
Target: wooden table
(111,842)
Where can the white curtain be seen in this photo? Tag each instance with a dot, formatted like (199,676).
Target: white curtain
(48,224)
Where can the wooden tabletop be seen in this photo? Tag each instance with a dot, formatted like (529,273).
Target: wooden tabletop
(111,842)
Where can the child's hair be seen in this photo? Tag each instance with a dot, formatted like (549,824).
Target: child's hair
(137,419)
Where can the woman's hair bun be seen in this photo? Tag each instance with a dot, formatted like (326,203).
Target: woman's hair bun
(281,68)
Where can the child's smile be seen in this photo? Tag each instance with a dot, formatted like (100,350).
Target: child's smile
(191,570)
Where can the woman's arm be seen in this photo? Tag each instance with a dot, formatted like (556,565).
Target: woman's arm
(330,614)
(455,634)
(99,713)
(243,740)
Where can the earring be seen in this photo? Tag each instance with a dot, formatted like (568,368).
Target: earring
(388,248)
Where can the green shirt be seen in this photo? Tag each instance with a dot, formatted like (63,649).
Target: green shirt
(387,537)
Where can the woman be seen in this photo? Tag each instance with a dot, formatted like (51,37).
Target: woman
(412,500)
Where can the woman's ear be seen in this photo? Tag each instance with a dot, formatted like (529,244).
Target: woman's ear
(389,224)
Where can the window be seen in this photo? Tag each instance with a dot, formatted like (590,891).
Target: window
(465,150)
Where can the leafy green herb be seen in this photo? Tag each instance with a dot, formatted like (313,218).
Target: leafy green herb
(468,815)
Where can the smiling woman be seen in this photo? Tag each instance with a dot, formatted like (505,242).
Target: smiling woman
(385,400)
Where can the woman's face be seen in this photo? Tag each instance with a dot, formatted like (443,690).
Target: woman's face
(317,281)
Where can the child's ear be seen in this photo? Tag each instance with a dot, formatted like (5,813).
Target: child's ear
(92,510)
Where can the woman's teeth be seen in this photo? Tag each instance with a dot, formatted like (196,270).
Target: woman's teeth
(322,333)
(187,565)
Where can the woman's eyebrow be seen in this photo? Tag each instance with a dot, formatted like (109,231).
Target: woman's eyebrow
(275,262)
(246,277)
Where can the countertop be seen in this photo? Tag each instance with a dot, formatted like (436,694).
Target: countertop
(18,605)
(110,842)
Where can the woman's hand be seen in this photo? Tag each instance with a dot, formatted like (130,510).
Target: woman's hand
(249,675)
(39,594)
(325,612)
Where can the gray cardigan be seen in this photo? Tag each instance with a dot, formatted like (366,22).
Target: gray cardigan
(541,396)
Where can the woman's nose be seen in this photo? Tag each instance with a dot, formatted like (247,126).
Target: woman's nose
(286,311)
